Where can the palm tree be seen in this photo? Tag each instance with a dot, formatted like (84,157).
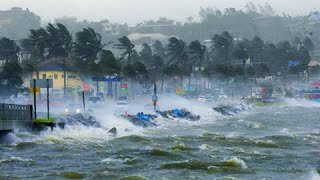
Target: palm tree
(177,54)
(158,48)
(197,52)
(39,39)
(126,46)
(87,45)
(8,50)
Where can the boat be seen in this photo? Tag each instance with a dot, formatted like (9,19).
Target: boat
(177,114)
(138,121)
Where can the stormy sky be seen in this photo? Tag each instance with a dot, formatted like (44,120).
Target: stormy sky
(134,11)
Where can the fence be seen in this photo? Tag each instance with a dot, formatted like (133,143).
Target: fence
(14,116)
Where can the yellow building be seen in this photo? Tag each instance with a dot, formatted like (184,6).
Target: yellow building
(54,72)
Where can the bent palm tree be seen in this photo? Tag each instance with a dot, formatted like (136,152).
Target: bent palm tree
(126,46)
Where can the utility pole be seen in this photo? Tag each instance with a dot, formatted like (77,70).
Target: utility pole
(48,106)
(34,99)
(154,96)
(83,100)
(64,78)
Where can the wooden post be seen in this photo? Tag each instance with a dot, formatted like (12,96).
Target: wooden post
(48,106)
(34,99)
(83,100)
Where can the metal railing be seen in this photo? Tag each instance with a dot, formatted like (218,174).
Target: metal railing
(13,116)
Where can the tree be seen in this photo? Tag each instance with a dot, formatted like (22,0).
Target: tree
(308,44)
(196,55)
(11,78)
(8,50)
(240,52)
(177,54)
(108,63)
(39,39)
(197,51)
(87,45)
(176,51)
(146,55)
(158,48)
(255,49)
(262,70)
(221,47)
(60,41)
(126,46)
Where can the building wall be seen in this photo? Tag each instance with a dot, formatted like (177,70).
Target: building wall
(73,79)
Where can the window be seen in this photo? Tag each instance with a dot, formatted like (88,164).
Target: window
(44,76)
(61,76)
(50,76)
(55,76)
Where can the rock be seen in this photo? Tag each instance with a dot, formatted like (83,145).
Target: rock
(229,110)
(80,119)
(113,131)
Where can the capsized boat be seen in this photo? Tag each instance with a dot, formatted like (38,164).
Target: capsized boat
(141,120)
(176,114)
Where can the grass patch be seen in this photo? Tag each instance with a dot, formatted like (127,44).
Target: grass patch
(44,120)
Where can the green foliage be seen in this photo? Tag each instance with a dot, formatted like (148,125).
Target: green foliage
(8,50)
(108,63)
(87,45)
(228,71)
(44,120)
(172,70)
(10,78)
(158,48)
(197,52)
(240,51)
(140,68)
(176,51)
(128,71)
(126,46)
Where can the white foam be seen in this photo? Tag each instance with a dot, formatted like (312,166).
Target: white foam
(313,175)
(301,102)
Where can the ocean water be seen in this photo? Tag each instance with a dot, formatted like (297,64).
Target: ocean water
(272,142)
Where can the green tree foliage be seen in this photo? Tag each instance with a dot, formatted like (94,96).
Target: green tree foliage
(8,50)
(10,78)
(59,41)
(176,51)
(240,51)
(308,44)
(221,47)
(172,70)
(197,52)
(108,63)
(127,47)
(128,71)
(39,39)
(146,55)
(228,71)
(158,48)
(87,45)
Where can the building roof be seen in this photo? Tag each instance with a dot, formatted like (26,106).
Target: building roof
(50,67)
(153,36)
